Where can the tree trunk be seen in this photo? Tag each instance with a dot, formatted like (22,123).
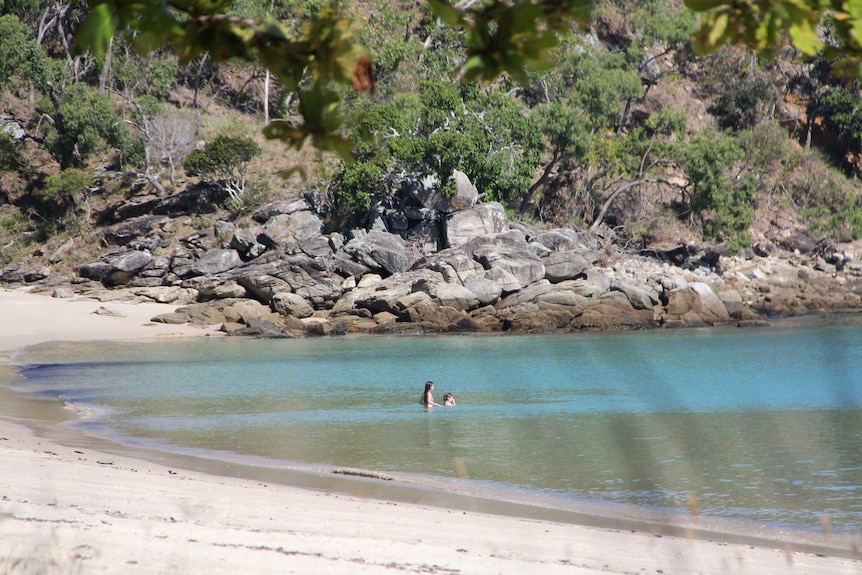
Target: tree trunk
(106,71)
(266,99)
(538,183)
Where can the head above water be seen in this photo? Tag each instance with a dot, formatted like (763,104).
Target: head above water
(429,385)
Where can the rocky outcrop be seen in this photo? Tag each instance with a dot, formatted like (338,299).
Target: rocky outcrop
(433,264)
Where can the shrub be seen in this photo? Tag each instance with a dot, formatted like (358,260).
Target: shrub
(83,123)
(226,159)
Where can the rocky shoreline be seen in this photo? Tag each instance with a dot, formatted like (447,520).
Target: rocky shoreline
(424,263)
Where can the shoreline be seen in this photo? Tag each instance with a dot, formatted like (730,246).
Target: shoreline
(46,519)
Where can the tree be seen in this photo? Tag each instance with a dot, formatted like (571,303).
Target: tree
(721,203)
(80,122)
(322,54)
(442,128)
(225,158)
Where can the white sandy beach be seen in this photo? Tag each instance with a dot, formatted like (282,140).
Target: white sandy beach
(65,508)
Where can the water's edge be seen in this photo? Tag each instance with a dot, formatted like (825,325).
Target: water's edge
(49,419)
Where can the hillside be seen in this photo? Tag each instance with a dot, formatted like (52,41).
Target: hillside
(631,147)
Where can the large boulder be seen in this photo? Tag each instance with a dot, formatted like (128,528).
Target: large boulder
(565,265)
(263,286)
(559,240)
(280,206)
(286,230)
(244,241)
(487,291)
(126,265)
(466,195)
(379,252)
(697,298)
(291,304)
(451,295)
(453,264)
(215,262)
(127,232)
(637,296)
(501,253)
(485,219)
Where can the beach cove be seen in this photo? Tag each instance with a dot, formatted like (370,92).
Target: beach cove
(68,504)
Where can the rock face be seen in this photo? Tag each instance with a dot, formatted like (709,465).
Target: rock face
(430,264)
(482,220)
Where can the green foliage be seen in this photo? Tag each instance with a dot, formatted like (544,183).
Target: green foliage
(58,198)
(595,82)
(742,102)
(223,157)
(440,129)
(841,216)
(83,122)
(501,37)
(661,22)
(765,145)
(841,110)
(21,57)
(765,25)
(63,187)
(14,48)
(723,205)
(356,185)
(226,159)
(10,153)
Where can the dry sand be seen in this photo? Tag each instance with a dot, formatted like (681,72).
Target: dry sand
(70,508)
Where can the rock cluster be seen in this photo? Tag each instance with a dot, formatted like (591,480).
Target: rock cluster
(433,264)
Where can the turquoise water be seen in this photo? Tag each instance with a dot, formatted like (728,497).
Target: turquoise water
(761,425)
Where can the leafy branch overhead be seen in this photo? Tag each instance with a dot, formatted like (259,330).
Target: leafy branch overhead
(811,26)
(500,36)
(322,50)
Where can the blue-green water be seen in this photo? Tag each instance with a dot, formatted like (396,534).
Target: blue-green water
(759,425)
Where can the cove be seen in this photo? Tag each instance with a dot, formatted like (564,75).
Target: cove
(760,425)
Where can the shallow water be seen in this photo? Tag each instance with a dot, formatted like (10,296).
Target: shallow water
(758,425)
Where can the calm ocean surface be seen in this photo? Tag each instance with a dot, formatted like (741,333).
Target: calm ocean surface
(761,425)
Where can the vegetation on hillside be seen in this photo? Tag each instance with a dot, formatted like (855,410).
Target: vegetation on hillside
(630,133)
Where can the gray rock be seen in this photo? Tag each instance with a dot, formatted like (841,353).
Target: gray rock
(97,271)
(292,304)
(487,291)
(380,252)
(286,230)
(173,318)
(510,257)
(280,206)
(638,297)
(559,240)
(127,232)
(594,283)
(244,241)
(697,298)
(453,263)
(565,265)
(215,262)
(451,295)
(109,312)
(483,220)
(61,251)
(507,282)
(262,286)
(465,197)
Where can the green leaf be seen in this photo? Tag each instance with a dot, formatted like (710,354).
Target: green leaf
(719,27)
(96,31)
(704,5)
(449,15)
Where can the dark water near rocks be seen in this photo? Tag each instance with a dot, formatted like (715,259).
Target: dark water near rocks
(761,425)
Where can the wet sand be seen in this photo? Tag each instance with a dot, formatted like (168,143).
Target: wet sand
(72,503)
